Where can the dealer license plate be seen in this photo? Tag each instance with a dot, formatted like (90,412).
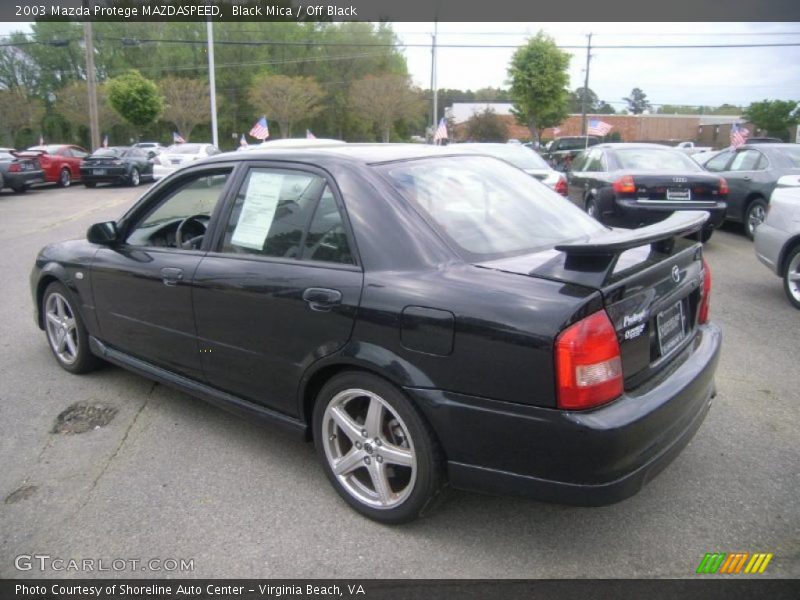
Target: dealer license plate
(671,326)
(99,171)
(679,194)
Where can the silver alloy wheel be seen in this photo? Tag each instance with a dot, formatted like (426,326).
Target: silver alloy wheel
(62,330)
(369,449)
(65,178)
(135,177)
(755,217)
(591,209)
(793,277)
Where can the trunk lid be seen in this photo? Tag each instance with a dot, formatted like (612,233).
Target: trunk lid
(674,187)
(650,283)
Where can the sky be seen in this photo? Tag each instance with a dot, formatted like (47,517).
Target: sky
(699,76)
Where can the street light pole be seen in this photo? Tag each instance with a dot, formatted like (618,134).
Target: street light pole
(434,83)
(91,85)
(586,85)
(212,84)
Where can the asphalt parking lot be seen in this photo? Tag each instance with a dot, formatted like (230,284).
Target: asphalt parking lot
(173,478)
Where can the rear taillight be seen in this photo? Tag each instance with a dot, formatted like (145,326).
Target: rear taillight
(625,185)
(588,363)
(723,187)
(561,185)
(705,300)
(14,168)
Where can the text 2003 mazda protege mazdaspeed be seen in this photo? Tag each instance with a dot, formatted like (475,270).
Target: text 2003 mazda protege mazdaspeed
(427,318)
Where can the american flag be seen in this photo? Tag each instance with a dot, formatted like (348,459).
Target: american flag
(177,138)
(597,127)
(738,135)
(441,131)
(309,135)
(260,130)
(105,141)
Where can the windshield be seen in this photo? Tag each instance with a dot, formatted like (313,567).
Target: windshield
(185,149)
(517,155)
(654,159)
(101,152)
(487,208)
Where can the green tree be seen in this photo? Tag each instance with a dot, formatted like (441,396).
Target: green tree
(385,99)
(486,126)
(19,112)
(637,101)
(576,100)
(72,103)
(186,103)
(135,98)
(774,116)
(604,108)
(286,99)
(539,78)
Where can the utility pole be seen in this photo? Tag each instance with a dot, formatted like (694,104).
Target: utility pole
(434,85)
(212,83)
(586,86)
(91,85)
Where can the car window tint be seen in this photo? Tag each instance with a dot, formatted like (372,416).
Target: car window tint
(594,162)
(327,239)
(745,160)
(654,159)
(579,162)
(77,153)
(719,162)
(195,195)
(762,163)
(271,213)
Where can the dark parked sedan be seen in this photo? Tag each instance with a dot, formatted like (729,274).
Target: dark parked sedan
(117,164)
(752,172)
(19,172)
(423,316)
(630,185)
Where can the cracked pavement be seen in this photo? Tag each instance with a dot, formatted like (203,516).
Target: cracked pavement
(172,477)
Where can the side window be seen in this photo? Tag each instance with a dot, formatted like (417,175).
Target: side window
(271,212)
(579,162)
(594,161)
(77,153)
(195,197)
(719,162)
(326,239)
(745,160)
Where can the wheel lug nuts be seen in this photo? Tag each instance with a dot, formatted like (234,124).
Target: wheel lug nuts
(364,432)
(378,442)
(333,437)
(358,445)
(366,460)
(379,459)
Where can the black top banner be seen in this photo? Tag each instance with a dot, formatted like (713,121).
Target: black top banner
(395,10)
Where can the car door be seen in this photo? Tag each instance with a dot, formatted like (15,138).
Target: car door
(588,180)
(281,289)
(74,156)
(746,174)
(142,285)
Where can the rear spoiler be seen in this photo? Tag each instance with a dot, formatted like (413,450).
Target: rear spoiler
(591,261)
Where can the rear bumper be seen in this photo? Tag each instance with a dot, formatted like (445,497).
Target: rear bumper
(585,458)
(769,242)
(112,174)
(648,212)
(23,178)
(160,171)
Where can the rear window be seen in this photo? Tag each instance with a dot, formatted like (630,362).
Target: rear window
(653,159)
(517,155)
(101,152)
(185,149)
(486,208)
(792,155)
(575,143)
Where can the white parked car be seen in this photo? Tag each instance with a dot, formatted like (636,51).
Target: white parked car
(178,155)
(777,239)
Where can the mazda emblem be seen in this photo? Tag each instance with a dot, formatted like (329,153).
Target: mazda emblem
(676,274)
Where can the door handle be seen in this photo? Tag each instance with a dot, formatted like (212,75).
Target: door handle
(171,275)
(747,178)
(322,299)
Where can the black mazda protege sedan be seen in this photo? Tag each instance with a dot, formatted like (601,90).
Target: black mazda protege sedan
(426,318)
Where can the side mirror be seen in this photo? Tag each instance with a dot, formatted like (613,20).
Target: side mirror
(151,154)
(105,234)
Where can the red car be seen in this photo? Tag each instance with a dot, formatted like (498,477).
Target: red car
(61,162)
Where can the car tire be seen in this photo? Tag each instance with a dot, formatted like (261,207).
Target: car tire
(89,184)
(591,208)
(65,331)
(64,178)
(791,277)
(754,216)
(376,448)
(134,179)
(706,234)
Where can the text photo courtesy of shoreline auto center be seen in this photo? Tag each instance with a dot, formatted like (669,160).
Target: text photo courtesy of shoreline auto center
(376,301)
